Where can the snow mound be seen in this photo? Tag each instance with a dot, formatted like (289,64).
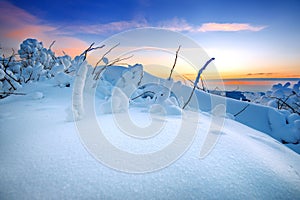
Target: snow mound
(43,157)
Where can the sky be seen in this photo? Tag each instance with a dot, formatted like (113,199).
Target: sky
(249,39)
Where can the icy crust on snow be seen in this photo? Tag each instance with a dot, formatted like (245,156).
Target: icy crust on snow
(42,158)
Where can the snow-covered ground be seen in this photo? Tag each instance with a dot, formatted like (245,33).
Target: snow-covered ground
(42,156)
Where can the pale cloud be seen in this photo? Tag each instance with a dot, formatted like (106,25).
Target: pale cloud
(17,25)
(181,25)
(228,27)
(176,24)
(107,28)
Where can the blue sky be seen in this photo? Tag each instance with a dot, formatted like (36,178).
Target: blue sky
(246,37)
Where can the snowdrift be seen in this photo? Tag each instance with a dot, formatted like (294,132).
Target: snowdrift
(42,157)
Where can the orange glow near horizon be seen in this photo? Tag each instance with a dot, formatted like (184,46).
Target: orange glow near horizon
(229,76)
(240,82)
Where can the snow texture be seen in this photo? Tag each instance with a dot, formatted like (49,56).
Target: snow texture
(43,157)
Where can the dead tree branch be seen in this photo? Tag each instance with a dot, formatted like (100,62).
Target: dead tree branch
(52,44)
(9,93)
(176,56)
(142,95)
(191,82)
(90,48)
(293,93)
(197,81)
(117,60)
(10,83)
(107,52)
(286,104)
(98,73)
(241,110)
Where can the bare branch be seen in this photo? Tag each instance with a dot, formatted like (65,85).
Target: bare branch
(286,104)
(176,56)
(10,83)
(104,56)
(9,93)
(29,78)
(242,110)
(90,48)
(117,60)
(189,99)
(191,82)
(10,76)
(197,80)
(293,93)
(142,95)
(97,74)
(51,44)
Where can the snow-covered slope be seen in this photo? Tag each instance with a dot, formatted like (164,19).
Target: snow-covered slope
(42,157)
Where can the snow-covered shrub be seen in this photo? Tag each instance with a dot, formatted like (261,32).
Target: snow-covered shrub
(282,97)
(284,116)
(39,60)
(33,52)
(35,63)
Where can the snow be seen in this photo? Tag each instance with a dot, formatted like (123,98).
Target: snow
(36,95)
(232,149)
(2,74)
(42,155)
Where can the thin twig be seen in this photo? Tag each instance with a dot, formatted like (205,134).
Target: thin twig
(189,97)
(142,76)
(107,52)
(118,60)
(10,83)
(176,56)
(191,82)
(293,93)
(283,102)
(142,95)
(97,74)
(52,44)
(90,48)
(10,76)
(9,93)
(241,110)
(197,81)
